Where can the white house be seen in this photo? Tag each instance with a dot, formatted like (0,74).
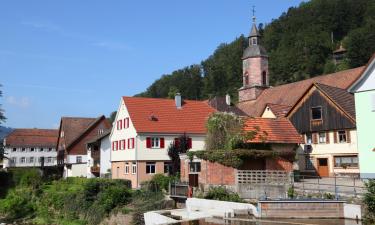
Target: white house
(30,148)
(74,133)
(99,156)
(145,127)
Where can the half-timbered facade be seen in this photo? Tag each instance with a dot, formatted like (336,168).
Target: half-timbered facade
(325,116)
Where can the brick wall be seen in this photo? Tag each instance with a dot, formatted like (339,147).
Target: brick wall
(279,164)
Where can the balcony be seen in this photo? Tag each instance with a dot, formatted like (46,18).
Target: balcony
(95,169)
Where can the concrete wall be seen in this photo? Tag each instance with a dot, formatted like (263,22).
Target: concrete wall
(301,209)
(75,170)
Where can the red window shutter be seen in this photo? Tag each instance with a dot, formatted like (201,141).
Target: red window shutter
(177,142)
(128,143)
(127,122)
(190,143)
(148,142)
(117,125)
(327,137)
(132,142)
(334,137)
(348,140)
(113,145)
(315,138)
(161,142)
(124,123)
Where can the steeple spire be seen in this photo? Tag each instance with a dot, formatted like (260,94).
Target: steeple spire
(254,33)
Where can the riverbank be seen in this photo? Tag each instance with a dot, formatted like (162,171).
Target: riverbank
(76,201)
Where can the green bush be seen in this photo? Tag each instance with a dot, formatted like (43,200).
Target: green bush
(222,194)
(291,192)
(369,200)
(18,203)
(161,182)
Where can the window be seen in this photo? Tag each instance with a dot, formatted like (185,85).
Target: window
(41,150)
(123,144)
(49,159)
(346,161)
(31,149)
(14,150)
(308,138)
(254,41)
(264,78)
(322,137)
(130,143)
(79,159)
(246,79)
(22,160)
(31,160)
(342,136)
(126,122)
(119,124)
(50,149)
(316,113)
(100,131)
(309,165)
(116,145)
(195,167)
(126,168)
(62,134)
(155,142)
(23,149)
(134,168)
(150,168)
(167,167)
(40,159)
(13,159)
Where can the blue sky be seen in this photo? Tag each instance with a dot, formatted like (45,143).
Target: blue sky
(77,58)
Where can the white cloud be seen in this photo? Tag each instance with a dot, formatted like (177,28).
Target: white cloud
(21,102)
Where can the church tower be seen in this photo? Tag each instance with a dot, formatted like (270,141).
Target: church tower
(255,67)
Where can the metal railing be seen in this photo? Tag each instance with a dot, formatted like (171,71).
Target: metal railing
(339,186)
(179,190)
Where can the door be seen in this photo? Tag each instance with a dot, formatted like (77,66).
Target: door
(323,167)
(193,180)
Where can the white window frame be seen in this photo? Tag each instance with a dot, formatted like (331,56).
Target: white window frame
(343,132)
(79,159)
(14,149)
(309,138)
(23,160)
(127,168)
(155,142)
(49,159)
(31,159)
(134,168)
(151,166)
(321,140)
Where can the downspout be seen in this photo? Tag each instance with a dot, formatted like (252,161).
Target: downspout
(136,158)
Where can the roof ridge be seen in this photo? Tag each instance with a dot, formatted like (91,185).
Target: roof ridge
(322,75)
(320,84)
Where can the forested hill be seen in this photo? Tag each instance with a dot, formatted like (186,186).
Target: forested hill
(299,45)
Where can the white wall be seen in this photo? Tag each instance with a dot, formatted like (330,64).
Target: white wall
(37,153)
(117,135)
(105,155)
(75,170)
(72,159)
(369,83)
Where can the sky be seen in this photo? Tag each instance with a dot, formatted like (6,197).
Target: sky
(77,58)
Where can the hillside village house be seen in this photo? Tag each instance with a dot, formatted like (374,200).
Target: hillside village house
(364,92)
(258,99)
(277,140)
(99,156)
(30,148)
(325,115)
(145,127)
(74,133)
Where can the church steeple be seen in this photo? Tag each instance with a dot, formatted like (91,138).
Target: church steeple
(255,66)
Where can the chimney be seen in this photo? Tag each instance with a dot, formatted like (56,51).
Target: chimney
(227,99)
(177,99)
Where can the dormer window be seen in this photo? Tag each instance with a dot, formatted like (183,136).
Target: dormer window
(316,113)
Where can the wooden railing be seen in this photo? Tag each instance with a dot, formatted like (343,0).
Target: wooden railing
(262,177)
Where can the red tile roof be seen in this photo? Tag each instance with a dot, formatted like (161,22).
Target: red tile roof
(288,94)
(279,110)
(191,118)
(270,130)
(32,138)
(74,127)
